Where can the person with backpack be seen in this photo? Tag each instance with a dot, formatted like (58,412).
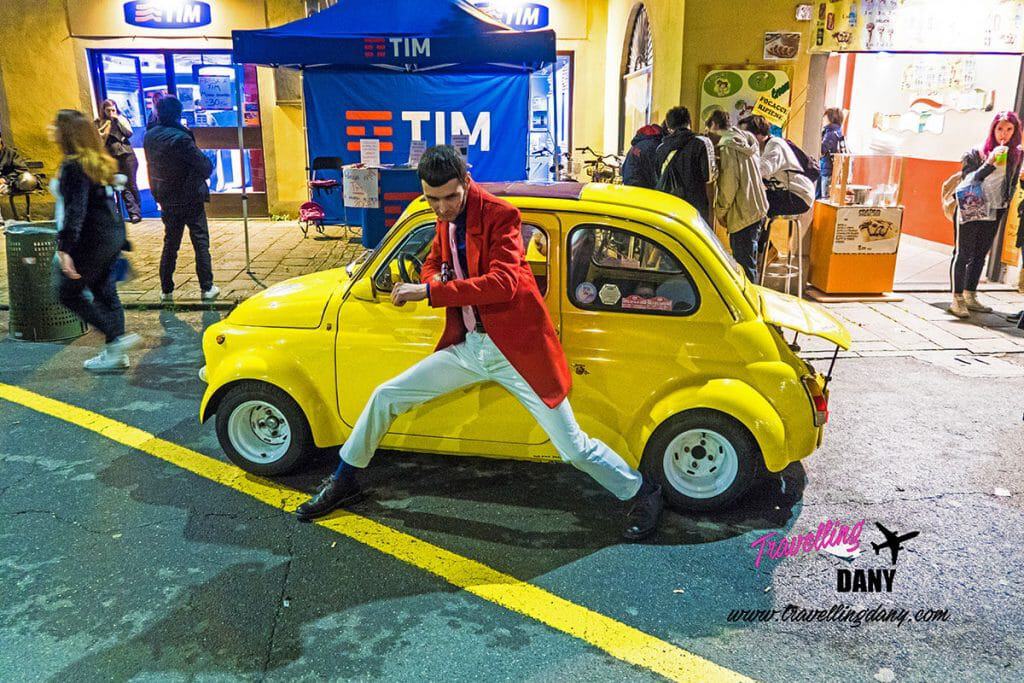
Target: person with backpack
(740,201)
(90,237)
(832,142)
(788,173)
(687,163)
(990,175)
(640,167)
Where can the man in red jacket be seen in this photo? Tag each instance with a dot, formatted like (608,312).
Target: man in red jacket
(497,329)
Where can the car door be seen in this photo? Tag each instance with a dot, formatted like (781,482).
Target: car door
(639,318)
(377,341)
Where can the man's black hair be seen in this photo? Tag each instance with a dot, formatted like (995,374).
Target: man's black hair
(678,118)
(756,124)
(440,164)
(720,118)
(168,110)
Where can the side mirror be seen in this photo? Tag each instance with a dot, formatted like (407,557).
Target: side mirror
(362,289)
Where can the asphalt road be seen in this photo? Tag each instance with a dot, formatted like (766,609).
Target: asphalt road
(118,565)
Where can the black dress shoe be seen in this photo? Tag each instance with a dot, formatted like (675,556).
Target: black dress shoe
(333,493)
(643,516)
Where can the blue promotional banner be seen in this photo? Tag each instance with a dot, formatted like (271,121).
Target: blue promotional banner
(343,107)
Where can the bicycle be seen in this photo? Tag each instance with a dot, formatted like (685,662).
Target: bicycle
(602,168)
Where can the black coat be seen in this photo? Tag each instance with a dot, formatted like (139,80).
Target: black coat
(118,139)
(92,232)
(640,167)
(178,170)
(690,170)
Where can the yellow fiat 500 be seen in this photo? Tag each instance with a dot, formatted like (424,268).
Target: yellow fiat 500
(679,362)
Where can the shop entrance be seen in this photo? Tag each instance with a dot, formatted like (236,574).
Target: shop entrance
(930,109)
(550,116)
(204,81)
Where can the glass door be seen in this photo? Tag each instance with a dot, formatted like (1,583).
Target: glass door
(204,81)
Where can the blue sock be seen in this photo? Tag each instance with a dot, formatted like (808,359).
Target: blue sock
(344,470)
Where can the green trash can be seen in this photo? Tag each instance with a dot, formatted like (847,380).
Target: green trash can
(36,314)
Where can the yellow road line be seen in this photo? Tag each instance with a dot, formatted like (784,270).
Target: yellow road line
(613,637)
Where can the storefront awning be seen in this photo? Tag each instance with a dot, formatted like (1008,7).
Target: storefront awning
(409,34)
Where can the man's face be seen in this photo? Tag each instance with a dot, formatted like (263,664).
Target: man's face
(447,200)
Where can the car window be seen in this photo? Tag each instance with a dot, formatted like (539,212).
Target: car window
(410,255)
(616,270)
(535,242)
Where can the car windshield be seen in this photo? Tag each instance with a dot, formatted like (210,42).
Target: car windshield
(716,246)
(355,268)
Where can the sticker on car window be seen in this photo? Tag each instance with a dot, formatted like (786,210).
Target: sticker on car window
(610,295)
(639,303)
(586,293)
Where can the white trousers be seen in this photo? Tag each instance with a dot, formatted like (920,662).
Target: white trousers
(478,360)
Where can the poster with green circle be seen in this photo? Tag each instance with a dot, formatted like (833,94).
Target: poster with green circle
(761,81)
(723,84)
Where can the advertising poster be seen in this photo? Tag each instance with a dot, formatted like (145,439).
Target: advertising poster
(216,91)
(867,230)
(737,91)
(780,45)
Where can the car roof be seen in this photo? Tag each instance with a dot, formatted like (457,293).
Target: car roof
(588,198)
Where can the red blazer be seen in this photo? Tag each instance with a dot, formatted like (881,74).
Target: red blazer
(504,291)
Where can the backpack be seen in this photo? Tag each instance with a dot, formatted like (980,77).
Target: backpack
(808,166)
(947,193)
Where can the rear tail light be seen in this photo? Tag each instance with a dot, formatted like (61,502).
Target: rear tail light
(819,400)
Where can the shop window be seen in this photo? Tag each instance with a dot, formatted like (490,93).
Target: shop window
(617,270)
(535,242)
(407,259)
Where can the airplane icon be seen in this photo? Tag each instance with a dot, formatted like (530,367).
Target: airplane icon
(893,541)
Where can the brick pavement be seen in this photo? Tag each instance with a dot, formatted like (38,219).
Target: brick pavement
(917,325)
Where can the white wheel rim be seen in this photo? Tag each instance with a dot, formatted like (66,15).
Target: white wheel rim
(700,463)
(259,432)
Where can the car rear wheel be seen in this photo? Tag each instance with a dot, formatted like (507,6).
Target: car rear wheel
(262,429)
(703,460)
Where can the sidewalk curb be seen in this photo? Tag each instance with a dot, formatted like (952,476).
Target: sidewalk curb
(157,306)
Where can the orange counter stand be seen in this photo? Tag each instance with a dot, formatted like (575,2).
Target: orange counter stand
(834,273)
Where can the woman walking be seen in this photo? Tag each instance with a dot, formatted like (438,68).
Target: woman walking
(995,166)
(116,133)
(90,237)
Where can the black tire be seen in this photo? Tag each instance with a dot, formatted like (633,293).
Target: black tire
(749,462)
(300,447)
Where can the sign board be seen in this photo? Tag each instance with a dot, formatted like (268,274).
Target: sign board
(216,91)
(522,16)
(737,90)
(369,152)
(361,187)
(781,45)
(416,150)
(867,230)
(167,15)
(461,144)
(775,112)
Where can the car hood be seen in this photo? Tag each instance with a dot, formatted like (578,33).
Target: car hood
(297,303)
(801,316)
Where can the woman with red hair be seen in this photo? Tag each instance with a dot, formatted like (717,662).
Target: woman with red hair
(996,167)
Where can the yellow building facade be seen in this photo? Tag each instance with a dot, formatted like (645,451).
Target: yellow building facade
(52,53)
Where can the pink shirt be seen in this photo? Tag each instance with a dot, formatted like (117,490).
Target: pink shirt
(468,317)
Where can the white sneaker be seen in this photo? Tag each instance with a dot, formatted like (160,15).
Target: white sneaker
(972,303)
(959,307)
(167,298)
(123,343)
(211,293)
(107,362)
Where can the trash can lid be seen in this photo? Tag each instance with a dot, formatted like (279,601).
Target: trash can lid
(26,228)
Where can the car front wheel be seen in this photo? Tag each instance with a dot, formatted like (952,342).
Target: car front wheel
(703,460)
(262,429)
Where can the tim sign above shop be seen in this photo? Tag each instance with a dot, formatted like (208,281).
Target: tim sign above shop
(522,16)
(167,14)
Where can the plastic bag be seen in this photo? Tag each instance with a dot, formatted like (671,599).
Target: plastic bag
(972,203)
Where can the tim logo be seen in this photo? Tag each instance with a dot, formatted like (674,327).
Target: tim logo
(397,48)
(522,16)
(380,125)
(167,15)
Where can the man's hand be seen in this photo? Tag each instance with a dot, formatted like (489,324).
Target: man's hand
(404,291)
(67,266)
